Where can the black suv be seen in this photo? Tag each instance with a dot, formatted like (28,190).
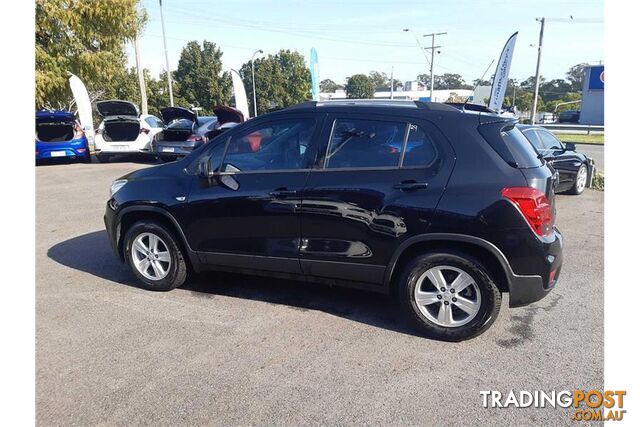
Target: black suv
(444,207)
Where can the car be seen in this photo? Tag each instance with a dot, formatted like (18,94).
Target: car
(569,116)
(575,170)
(315,192)
(124,131)
(185,131)
(59,135)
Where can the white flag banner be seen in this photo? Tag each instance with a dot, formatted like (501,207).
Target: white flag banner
(501,77)
(83,103)
(240,94)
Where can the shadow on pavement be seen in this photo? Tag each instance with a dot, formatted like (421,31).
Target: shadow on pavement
(91,253)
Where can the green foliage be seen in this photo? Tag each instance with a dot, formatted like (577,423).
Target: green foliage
(598,181)
(359,86)
(329,86)
(87,39)
(575,75)
(199,77)
(282,80)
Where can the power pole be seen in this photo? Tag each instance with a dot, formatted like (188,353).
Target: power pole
(534,107)
(253,82)
(392,85)
(143,89)
(433,50)
(166,56)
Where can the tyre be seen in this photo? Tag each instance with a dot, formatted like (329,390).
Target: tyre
(103,158)
(155,256)
(448,296)
(581,180)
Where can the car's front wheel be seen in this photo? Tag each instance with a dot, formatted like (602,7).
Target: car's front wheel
(449,296)
(155,257)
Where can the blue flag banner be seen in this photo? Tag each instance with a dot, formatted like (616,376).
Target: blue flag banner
(315,78)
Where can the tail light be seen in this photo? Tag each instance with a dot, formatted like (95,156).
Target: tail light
(194,138)
(534,206)
(77,131)
(144,130)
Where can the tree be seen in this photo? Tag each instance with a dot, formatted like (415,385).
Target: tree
(282,80)
(329,86)
(575,75)
(380,80)
(480,82)
(85,38)
(554,89)
(450,81)
(199,77)
(359,86)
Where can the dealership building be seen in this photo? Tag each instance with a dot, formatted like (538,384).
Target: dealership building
(592,109)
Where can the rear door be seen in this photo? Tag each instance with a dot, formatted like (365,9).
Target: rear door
(379,180)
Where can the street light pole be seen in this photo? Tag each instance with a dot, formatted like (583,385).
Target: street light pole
(253,83)
(166,56)
(534,107)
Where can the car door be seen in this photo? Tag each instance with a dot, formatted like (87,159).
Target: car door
(566,163)
(379,180)
(245,215)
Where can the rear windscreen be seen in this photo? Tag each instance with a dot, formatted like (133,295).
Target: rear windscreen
(55,132)
(510,144)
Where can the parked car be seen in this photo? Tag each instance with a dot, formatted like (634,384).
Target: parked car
(123,130)
(185,131)
(317,192)
(569,116)
(546,118)
(575,170)
(59,135)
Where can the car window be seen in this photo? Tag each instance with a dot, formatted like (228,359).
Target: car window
(159,122)
(151,121)
(420,150)
(533,137)
(279,145)
(359,143)
(549,140)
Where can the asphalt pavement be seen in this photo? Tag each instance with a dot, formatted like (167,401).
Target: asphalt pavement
(596,152)
(232,349)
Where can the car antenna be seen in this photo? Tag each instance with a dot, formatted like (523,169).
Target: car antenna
(478,84)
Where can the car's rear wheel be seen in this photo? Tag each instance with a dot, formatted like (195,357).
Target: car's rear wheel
(86,158)
(581,180)
(103,158)
(155,257)
(449,296)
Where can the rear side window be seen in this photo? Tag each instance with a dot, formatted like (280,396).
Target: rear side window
(420,150)
(359,143)
(510,144)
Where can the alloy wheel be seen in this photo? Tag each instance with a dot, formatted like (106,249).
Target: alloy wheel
(447,296)
(151,257)
(581,179)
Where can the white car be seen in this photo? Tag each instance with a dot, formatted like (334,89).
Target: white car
(123,130)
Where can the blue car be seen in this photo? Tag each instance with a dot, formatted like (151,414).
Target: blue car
(59,135)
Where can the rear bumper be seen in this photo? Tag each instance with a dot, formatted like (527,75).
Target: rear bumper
(142,144)
(524,290)
(70,149)
(172,150)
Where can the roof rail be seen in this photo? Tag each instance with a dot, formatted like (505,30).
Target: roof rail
(471,107)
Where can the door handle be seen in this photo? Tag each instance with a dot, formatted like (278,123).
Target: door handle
(410,186)
(280,193)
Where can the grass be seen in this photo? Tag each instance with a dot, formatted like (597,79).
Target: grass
(581,138)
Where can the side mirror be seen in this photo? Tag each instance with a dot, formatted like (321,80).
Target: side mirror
(205,169)
(570,146)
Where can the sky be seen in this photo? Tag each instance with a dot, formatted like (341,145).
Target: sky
(359,36)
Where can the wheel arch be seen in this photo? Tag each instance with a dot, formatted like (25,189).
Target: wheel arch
(485,252)
(132,214)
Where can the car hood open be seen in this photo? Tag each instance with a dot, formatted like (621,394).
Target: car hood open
(228,114)
(170,114)
(116,108)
